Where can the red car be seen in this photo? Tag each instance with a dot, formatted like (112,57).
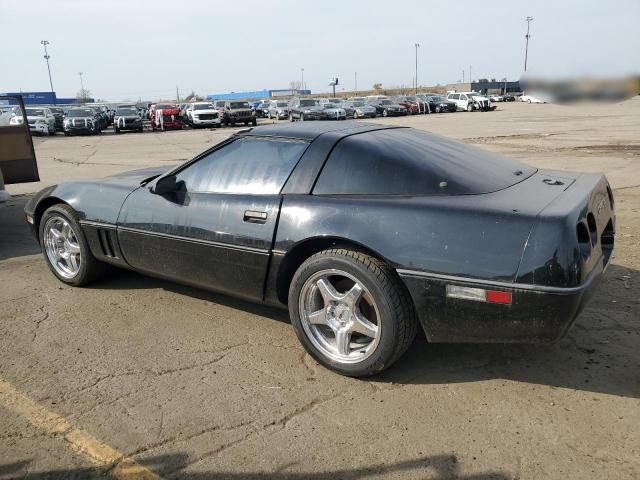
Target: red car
(413,104)
(165,116)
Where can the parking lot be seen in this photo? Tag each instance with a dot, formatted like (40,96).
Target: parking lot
(183,383)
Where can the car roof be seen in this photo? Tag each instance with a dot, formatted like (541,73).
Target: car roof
(311,130)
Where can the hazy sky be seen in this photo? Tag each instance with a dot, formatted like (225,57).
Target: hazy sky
(135,48)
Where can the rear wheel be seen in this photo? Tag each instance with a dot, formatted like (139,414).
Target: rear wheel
(65,247)
(469,107)
(254,122)
(355,115)
(385,113)
(351,312)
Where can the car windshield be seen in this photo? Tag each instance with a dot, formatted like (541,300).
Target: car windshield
(358,104)
(126,112)
(438,99)
(411,99)
(56,110)
(238,105)
(35,112)
(386,102)
(282,104)
(203,106)
(330,105)
(164,106)
(80,112)
(307,103)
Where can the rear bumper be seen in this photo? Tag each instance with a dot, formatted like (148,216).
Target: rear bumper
(537,314)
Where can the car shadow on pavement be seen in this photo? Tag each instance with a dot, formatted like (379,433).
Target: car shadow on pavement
(437,467)
(599,353)
(16,239)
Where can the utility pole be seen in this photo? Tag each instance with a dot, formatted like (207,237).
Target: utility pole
(356,87)
(177,94)
(463,75)
(470,75)
(82,91)
(416,45)
(302,79)
(47,57)
(527,36)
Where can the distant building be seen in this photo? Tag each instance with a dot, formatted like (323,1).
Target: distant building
(487,87)
(44,98)
(257,94)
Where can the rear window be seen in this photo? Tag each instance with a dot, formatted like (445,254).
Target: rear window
(411,162)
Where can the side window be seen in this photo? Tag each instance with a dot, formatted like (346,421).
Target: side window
(463,97)
(246,166)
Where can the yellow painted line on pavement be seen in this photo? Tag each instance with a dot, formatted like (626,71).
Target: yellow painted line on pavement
(98,453)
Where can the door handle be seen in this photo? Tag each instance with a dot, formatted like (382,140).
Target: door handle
(253,216)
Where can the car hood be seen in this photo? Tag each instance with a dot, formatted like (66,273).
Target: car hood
(35,117)
(393,105)
(81,119)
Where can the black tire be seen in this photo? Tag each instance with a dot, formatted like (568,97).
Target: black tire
(385,113)
(116,130)
(398,323)
(90,268)
(254,122)
(301,119)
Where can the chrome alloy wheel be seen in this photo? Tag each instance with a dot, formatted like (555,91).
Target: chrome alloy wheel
(62,247)
(339,316)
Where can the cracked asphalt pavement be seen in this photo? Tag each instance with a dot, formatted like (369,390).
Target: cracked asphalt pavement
(190,384)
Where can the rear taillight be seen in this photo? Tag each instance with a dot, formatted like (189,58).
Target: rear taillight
(479,294)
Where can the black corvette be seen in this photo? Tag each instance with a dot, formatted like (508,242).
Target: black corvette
(364,231)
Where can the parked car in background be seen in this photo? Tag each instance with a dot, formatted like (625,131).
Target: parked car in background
(413,103)
(387,107)
(203,114)
(127,118)
(81,120)
(440,104)
(302,109)
(58,114)
(470,101)
(165,116)
(40,119)
(362,109)
(508,97)
(531,99)
(334,111)
(496,97)
(278,109)
(262,109)
(236,111)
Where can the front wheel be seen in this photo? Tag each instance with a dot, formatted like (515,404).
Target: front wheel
(254,122)
(65,247)
(469,108)
(385,113)
(351,312)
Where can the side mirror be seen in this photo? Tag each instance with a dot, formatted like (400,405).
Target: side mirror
(168,185)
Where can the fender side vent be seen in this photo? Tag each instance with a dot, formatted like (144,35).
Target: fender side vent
(106,243)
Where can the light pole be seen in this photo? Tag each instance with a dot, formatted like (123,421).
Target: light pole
(527,36)
(356,83)
(47,57)
(302,79)
(416,45)
(83,96)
